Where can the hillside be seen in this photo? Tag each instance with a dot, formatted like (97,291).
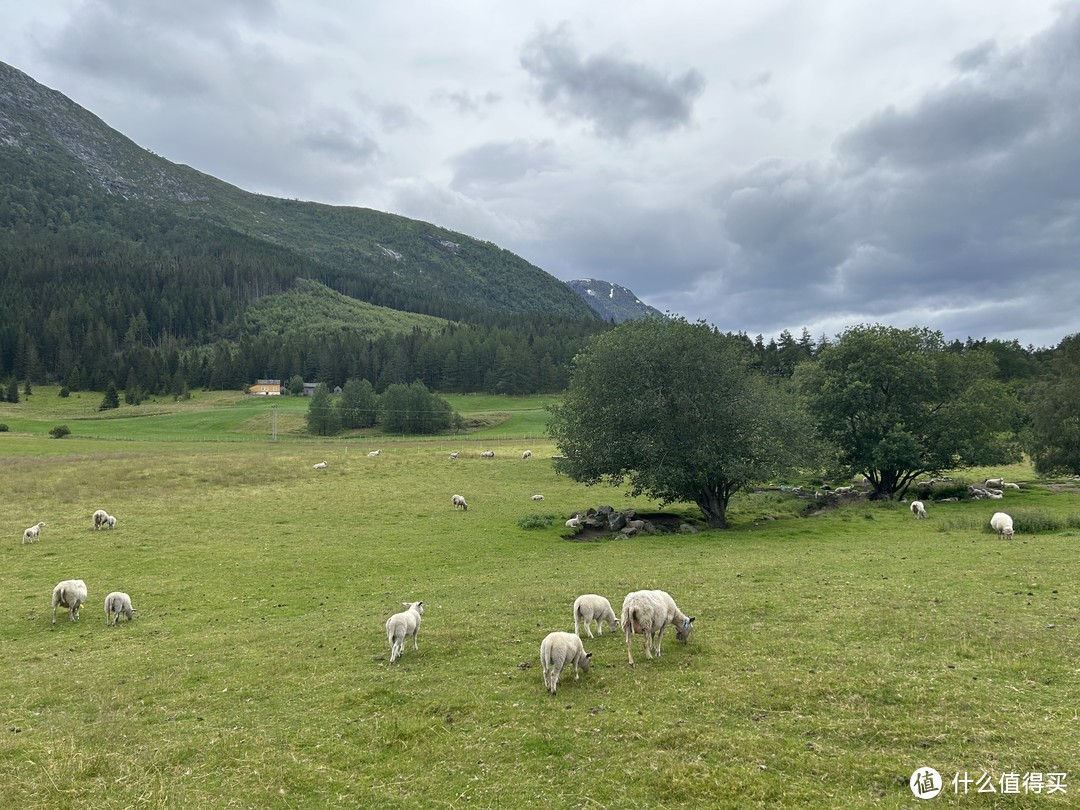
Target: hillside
(612,302)
(73,164)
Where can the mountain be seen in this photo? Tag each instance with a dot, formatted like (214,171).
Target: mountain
(612,302)
(73,164)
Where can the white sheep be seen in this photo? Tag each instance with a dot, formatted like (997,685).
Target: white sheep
(320,466)
(488,454)
(459,503)
(454,455)
(527,454)
(1010,485)
(574,523)
(33,534)
(1002,524)
(373,453)
(538,497)
(103,520)
(918,509)
(590,607)
(649,613)
(402,625)
(70,594)
(556,651)
(116,603)
(994,482)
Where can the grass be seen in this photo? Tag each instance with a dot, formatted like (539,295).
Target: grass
(832,656)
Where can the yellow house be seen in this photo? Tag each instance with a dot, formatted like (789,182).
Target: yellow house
(266,388)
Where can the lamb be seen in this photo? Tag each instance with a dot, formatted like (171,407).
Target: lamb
(116,603)
(1010,485)
(459,503)
(101,519)
(538,497)
(70,594)
(556,651)
(402,625)
(320,466)
(526,454)
(1002,524)
(649,613)
(454,455)
(373,453)
(994,482)
(574,523)
(843,490)
(488,454)
(591,607)
(33,534)
(918,509)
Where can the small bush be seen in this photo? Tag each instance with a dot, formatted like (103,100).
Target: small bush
(60,431)
(536,521)
(64,392)
(4,428)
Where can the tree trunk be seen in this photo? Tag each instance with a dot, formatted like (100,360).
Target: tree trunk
(714,508)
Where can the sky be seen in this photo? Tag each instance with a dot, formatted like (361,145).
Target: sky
(761,165)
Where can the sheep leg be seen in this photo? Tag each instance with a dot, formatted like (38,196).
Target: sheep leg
(588,628)
(414,642)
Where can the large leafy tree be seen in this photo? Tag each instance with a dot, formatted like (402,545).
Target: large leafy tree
(323,419)
(1054,439)
(674,409)
(358,404)
(898,406)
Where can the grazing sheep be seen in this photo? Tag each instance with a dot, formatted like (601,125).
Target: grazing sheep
(918,509)
(1002,524)
(590,607)
(33,534)
(454,455)
(538,497)
(101,518)
(320,466)
(527,454)
(488,454)
(556,651)
(993,482)
(402,625)
(459,503)
(373,453)
(116,603)
(70,594)
(649,613)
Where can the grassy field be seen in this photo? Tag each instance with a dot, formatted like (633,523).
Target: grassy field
(832,655)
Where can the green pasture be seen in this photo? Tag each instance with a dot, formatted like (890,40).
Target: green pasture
(832,657)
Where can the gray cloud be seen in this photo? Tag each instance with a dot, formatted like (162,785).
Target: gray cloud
(618,97)
(492,165)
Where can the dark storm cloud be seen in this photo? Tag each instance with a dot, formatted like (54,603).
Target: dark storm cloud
(944,209)
(617,96)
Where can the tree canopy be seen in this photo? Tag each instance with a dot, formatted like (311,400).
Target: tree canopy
(1054,437)
(674,409)
(897,405)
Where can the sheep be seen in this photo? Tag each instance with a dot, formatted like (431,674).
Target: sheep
(526,454)
(459,503)
(320,466)
(590,607)
(1009,485)
(918,510)
(649,613)
(574,523)
(1002,524)
(103,520)
(70,594)
(402,625)
(116,603)
(993,482)
(556,651)
(488,454)
(538,497)
(843,490)
(454,455)
(373,453)
(33,534)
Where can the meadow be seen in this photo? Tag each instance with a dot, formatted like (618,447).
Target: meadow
(832,655)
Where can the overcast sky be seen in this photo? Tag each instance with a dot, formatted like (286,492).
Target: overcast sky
(759,164)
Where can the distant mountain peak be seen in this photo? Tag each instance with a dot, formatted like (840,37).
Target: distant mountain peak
(612,302)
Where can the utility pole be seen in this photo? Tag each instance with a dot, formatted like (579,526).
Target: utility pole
(273,423)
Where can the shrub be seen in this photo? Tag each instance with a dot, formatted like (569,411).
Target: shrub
(535,521)
(60,431)
(64,392)
(4,428)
